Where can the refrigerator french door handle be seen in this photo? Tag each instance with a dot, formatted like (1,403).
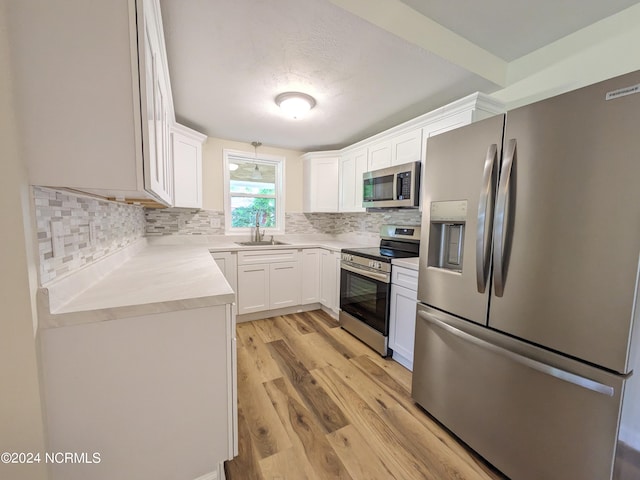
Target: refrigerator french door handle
(487,195)
(500,230)
(558,373)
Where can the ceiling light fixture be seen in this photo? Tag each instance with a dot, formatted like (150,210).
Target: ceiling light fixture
(256,174)
(295,104)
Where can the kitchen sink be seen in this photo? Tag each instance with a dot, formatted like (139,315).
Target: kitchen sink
(261,243)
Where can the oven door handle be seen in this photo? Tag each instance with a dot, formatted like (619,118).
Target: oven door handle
(382,277)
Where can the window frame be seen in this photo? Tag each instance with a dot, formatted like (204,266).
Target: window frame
(261,159)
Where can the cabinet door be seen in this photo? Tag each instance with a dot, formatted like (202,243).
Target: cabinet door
(158,167)
(402,324)
(227,263)
(328,280)
(379,155)
(407,147)
(253,288)
(352,166)
(444,125)
(187,167)
(310,276)
(284,283)
(321,185)
(336,268)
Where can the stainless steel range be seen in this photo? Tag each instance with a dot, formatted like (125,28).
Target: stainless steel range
(365,284)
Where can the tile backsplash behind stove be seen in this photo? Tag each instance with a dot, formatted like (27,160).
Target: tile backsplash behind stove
(180,221)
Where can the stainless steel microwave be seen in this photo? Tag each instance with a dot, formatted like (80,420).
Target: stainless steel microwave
(393,187)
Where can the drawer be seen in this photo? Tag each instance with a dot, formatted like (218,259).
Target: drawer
(253,257)
(405,277)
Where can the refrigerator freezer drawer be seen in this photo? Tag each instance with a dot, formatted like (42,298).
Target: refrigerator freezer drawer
(531,413)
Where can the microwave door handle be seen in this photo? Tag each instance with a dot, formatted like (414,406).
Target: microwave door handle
(485,217)
(397,188)
(503,229)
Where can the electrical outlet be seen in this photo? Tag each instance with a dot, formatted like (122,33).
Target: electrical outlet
(214,222)
(57,238)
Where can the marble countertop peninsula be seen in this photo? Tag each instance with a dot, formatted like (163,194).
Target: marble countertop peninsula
(155,275)
(144,280)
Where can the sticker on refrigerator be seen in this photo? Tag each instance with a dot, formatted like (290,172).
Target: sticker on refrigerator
(622,92)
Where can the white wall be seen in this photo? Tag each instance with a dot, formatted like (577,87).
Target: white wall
(21,425)
(212,172)
(606,49)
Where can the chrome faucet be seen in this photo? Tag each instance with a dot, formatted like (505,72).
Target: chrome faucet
(258,236)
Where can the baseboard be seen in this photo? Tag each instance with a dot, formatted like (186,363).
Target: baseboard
(249,317)
(332,313)
(402,360)
(208,476)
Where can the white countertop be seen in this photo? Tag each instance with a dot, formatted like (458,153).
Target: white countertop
(222,243)
(157,274)
(412,263)
(153,279)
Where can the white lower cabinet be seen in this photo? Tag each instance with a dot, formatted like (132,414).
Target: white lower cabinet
(171,387)
(253,288)
(310,273)
(329,279)
(282,278)
(402,315)
(267,280)
(284,285)
(228,265)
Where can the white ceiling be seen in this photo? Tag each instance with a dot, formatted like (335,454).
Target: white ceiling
(228,59)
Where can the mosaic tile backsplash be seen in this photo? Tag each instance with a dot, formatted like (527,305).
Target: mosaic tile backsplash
(180,221)
(116,225)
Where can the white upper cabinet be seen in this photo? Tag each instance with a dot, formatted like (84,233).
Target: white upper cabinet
(402,144)
(93,96)
(320,183)
(352,166)
(379,155)
(156,104)
(407,147)
(187,166)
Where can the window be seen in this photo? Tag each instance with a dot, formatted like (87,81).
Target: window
(253,192)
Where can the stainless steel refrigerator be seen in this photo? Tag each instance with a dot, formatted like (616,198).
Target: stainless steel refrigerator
(528,285)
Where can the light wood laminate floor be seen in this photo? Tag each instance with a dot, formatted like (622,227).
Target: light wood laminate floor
(314,402)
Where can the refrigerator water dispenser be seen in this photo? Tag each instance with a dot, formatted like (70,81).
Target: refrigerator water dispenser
(446,234)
